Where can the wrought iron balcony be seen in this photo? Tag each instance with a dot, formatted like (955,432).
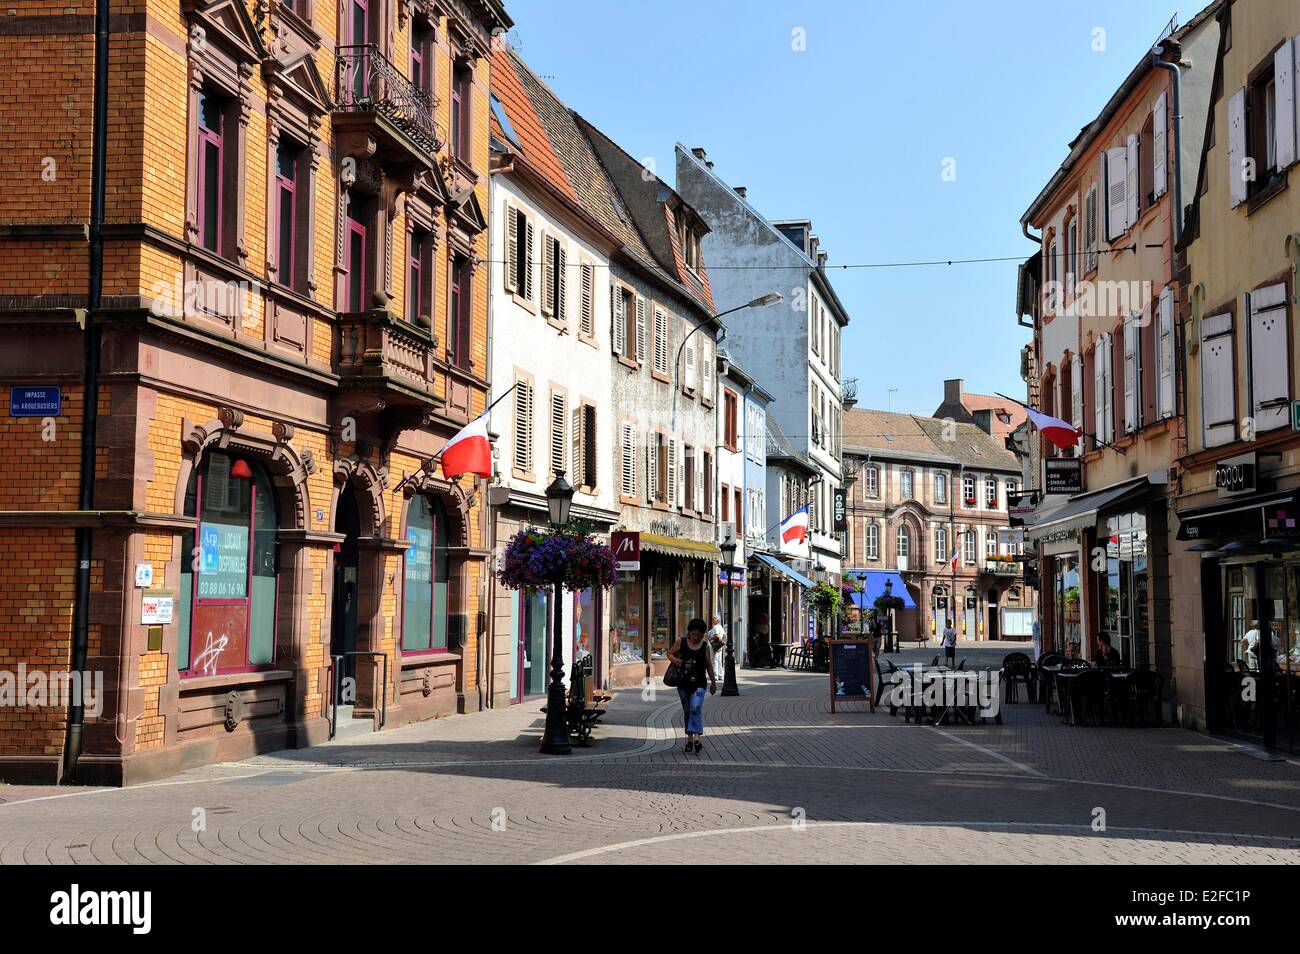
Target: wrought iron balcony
(365,82)
(1002,567)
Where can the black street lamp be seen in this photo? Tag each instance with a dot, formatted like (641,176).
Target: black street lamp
(862,607)
(555,738)
(729,687)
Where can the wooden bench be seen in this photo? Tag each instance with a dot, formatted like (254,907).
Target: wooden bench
(581,710)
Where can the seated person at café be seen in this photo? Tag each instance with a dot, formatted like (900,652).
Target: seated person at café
(1108,656)
(1073,651)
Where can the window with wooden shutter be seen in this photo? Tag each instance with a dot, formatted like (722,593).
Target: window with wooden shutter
(661,342)
(523,440)
(559,432)
(1237,183)
(652,481)
(589,446)
(1159,150)
(1090,230)
(559,310)
(1269,368)
(688,372)
(670,472)
(579,474)
(1218,396)
(1132,163)
(1284,78)
(627,459)
(511,271)
(587,317)
(548,275)
(707,359)
(1165,356)
(1130,375)
(1116,193)
(706,485)
(1099,393)
(640,330)
(618,319)
(527,230)
(688,477)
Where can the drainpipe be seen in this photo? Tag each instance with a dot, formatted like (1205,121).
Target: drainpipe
(90,394)
(1176,82)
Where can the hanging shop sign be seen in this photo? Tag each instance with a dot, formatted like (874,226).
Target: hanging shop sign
(626,545)
(1021,506)
(1063,475)
(841,511)
(1236,475)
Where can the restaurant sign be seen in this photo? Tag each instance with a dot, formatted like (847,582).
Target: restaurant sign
(1236,475)
(1063,475)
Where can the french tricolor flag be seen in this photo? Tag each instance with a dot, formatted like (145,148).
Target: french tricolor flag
(794,528)
(469,451)
(1061,434)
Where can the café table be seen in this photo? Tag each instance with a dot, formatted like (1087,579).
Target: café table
(1049,684)
(1066,682)
(950,678)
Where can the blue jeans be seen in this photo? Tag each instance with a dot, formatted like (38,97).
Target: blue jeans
(692,709)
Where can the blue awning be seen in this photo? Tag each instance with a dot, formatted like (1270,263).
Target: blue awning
(876,588)
(785,570)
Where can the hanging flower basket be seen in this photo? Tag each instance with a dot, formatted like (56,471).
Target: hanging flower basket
(824,600)
(535,558)
(886,603)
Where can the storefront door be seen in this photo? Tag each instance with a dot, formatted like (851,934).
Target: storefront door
(343,617)
(534,643)
(1259,652)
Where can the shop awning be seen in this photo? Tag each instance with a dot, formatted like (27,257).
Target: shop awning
(1243,518)
(1081,511)
(784,570)
(875,588)
(678,547)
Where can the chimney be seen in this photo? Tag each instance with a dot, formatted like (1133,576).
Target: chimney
(742,191)
(699,153)
(813,242)
(952,389)
(821,259)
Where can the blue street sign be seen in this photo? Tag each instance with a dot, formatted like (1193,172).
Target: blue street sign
(35,402)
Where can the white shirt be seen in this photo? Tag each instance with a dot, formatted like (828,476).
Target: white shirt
(949,637)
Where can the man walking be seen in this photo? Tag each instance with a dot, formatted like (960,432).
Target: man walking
(950,644)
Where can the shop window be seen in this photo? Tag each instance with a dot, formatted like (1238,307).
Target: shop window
(425,577)
(228,578)
(627,631)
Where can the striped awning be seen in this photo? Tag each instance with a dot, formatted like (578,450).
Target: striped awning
(678,547)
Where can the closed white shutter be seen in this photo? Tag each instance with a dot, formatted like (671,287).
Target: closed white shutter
(706,362)
(1160,157)
(640,329)
(1130,375)
(1116,193)
(1237,147)
(1165,356)
(688,375)
(1098,394)
(1076,398)
(548,273)
(1218,405)
(1284,78)
(661,342)
(528,259)
(559,432)
(576,432)
(1269,368)
(627,443)
(523,456)
(512,247)
(561,263)
(652,468)
(1131,191)
(618,318)
(1090,230)
(587,317)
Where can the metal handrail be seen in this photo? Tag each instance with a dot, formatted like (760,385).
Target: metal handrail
(334,700)
(366,81)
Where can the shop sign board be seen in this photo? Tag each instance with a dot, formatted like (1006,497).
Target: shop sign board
(1235,476)
(626,545)
(1063,475)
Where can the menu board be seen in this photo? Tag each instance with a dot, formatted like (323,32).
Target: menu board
(852,673)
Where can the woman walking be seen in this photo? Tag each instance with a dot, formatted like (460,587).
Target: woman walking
(694,656)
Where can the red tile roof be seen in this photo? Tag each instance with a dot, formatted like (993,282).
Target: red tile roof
(536,146)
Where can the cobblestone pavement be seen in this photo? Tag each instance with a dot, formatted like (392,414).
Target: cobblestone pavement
(781,779)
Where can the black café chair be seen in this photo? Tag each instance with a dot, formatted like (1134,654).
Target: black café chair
(1016,668)
(1148,689)
(1047,680)
(935,660)
(1090,696)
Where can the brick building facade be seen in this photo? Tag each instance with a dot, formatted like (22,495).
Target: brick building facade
(291,320)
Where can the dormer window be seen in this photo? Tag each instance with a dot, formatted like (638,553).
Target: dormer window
(689,239)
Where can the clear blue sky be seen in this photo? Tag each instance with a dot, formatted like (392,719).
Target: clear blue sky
(853,133)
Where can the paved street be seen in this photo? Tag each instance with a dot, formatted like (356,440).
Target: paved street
(780,779)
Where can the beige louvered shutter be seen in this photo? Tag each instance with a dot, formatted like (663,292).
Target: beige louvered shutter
(1116,193)
(523,426)
(707,364)
(640,329)
(528,258)
(1130,375)
(688,376)
(1132,189)
(627,444)
(575,447)
(1160,156)
(1098,392)
(559,432)
(661,342)
(1218,397)
(1165,356)
(512,248)
(587,320)
(618,318)
(1076,395)
(671,472)
(1237,147)
(652,468)
(561,313)
(548,273)
(1090,231)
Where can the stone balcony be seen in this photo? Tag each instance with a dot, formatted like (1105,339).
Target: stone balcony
(391,359)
